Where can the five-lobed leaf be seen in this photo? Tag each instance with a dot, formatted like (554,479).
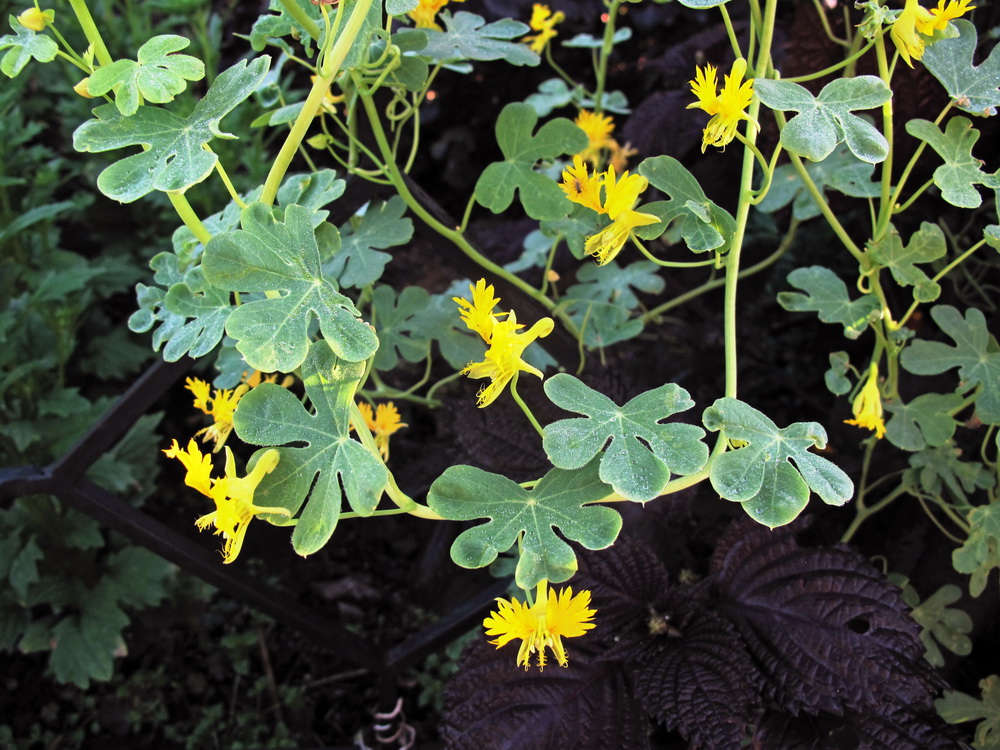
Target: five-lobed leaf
(540,195)
(559,500)
(159,75)
(981,551)
(360,261)
(318,455)
(975,357)
(173,158)
(974,89)
(396,319)
(268,255)
(468,37)
(826,120)
(638,452)
(925,421)
(826,294)
(926,245)
(961,172)
(761,475)
(24,45)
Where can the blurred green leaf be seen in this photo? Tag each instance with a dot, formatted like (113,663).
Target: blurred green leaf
(395,320)
(981,551)
(957,708)
(358,263)
(613,284)
(940,623)
(468,37)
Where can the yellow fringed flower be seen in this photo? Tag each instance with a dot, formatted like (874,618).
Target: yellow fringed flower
(620,195)
(582,187)
(232,494)
(220,405)
(725,106)
(478,314)
(867,405)
(906,31)
(947,10)
(425,14)
(598,128)
(544,22)
(542,625)
(383,422)
(502,362)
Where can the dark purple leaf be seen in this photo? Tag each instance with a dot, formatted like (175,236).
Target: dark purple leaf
(827,629)
(901,731)
(492,704)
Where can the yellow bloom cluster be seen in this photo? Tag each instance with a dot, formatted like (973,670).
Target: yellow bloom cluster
(233,495)
(502,362)
(620,195)
(725,106)
(541,625)
(916,22)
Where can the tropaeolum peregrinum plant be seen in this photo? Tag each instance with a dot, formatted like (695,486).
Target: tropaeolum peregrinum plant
(269,285)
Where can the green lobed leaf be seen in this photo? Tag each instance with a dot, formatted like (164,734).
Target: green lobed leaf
(981,551)
(612,283)
(638,452)
(602,324)
(840,171)
(940,623)
(271,28)
(826,120)
(836,377)
(586,41)
(173,158)
(440,321)
(395,320)
(925,421)
(359,262)
(267,254)
(317,452)
(702,224)
(24,45)
(976,90)
(159,75)
(702,4)
(574,229)
(961,172)
(938,467)
(956,707)
(761,475)
(558,501)
(976,358)
(926,245)
(826,294)
(468,37)
(540,195)
(314,190)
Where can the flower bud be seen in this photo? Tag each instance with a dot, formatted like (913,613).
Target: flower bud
(82,90)
(35,19)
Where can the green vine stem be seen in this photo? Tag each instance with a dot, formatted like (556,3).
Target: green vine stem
(90,30)
(328,71)
(184,210)
(454,235)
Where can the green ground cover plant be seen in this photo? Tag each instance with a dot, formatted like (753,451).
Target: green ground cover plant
(287,208)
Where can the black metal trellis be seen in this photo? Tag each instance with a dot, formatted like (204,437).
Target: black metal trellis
(65,479)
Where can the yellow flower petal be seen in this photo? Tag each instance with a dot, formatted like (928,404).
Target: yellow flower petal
(867,405)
